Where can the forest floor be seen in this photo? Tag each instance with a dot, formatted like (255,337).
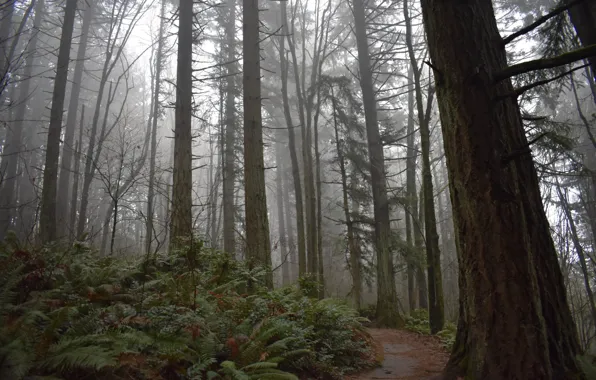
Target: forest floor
(406,356)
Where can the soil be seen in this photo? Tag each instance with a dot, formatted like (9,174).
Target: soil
(406,356)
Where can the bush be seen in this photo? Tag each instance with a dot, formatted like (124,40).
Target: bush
(418,322)
(67,314)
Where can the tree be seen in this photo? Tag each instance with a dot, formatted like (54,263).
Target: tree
(583,17)
(229,170)
(155,118)
(433,255)
(508,263)
(47,219)
(387,312)
(14,139)
(71,120)
(258,248)
(181,217)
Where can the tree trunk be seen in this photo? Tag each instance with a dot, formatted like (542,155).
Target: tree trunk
(511,287)
(292,259)
(182,187)
(354,251)
(76,172)
(14,144)
(387,305)
(155,118)
(285,266)
(69,131)
(258,249)
(433,254)
(411,201)
(583,17)
(292,145)
(419,241)
(580,252)
(229,172)
(50,175)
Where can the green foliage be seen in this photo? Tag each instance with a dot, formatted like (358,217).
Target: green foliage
(417,322)
(67,314)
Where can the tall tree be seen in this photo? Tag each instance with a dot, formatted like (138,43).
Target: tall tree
(14,139)
(511,287)
(181,217)
(433,255)
(387,305)
(155,118)
(258,248)
(229,171)
(71,120)
(47,219)
(300,234)
(583,17)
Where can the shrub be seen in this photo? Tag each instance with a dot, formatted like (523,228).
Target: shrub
(67,314)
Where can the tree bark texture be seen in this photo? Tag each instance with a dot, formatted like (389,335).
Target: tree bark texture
(583,17)
(514,319)
(258,248)
(181,217)
(47,221)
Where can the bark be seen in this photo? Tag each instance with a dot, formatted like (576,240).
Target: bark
(47,222)
(182,186)
(579,250)
(419,223)
(14,144)
(583,17)
(292,145)
(433,254)
(514,319)
(76,172)
(285,266)
(6,15)
(258,249)
(229,172)
(69,131)
(411,199)
(155,117)
(387,305)
(292,259)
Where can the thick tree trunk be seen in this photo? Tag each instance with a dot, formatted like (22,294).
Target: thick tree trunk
(292,259)
(387,305)
(14,144)
(258,248)
(182,186)
(69,131)
(229,172)
(419,223)
(514,319)
(292,145)
(433,255)
(47,222)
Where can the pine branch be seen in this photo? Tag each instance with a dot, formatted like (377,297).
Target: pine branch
(546,63)
(540,21)
(518,91)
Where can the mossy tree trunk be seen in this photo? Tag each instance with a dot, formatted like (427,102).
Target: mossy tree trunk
(514,319)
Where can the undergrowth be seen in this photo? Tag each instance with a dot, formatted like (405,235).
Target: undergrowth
(193,314)
(418,322)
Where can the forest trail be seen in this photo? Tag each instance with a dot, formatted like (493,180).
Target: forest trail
(406,356)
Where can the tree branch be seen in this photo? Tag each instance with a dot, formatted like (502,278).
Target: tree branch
(518,91)
(540,21)
(546,63)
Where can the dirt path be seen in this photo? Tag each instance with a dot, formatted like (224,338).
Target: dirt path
(407,356)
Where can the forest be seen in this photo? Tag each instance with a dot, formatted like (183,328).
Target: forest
(291,189)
